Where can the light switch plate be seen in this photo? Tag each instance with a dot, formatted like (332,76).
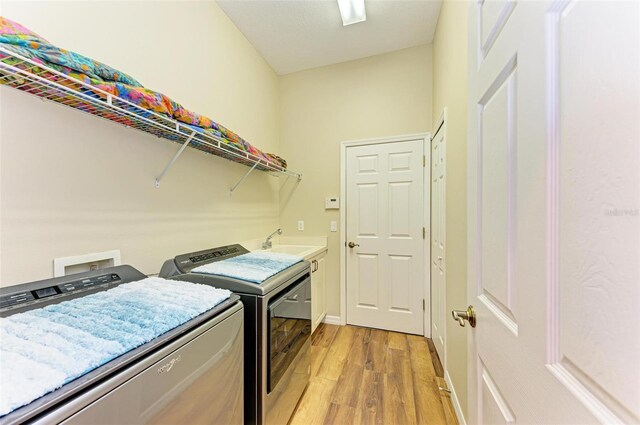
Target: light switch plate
(334,226)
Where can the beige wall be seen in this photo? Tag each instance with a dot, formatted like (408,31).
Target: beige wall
(450,91)
(72,184)
(380,96)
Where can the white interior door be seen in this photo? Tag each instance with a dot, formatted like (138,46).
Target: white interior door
(438,216)
(384,221)
(554,227)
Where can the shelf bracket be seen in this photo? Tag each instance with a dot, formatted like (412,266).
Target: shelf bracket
(244,177)
(175,158)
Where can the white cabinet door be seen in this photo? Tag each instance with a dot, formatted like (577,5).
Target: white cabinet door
(315,298)
(322,284)
(318,291)
(554,227)
(384,220)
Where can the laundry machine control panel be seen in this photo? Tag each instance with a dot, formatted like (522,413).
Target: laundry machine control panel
(14,299)
(21,298)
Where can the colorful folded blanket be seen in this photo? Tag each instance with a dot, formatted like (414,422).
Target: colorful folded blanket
(253,267)
(45,348)
(19,39)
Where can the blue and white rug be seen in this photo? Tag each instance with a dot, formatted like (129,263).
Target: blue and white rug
(45,348)
(253,267)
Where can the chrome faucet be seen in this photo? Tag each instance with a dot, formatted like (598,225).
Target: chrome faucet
(267,243)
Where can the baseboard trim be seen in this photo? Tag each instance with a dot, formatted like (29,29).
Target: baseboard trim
(454,399)
(332,320)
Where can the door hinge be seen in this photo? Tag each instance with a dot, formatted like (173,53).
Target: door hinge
(424,160)
(424,304)
(424,233)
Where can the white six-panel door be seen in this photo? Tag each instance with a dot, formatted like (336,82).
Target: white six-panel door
(554,199)
(384,219)
(438,239)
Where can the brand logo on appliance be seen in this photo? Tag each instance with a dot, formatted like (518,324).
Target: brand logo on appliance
(166,368)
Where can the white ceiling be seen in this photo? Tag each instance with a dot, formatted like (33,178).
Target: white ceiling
(293,35)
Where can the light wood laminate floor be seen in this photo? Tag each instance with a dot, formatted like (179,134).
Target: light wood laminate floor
(370,376)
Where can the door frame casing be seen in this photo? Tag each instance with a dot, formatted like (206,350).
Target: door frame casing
(441,125)
(426,219)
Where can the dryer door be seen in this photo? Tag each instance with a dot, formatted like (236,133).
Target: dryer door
(289,329)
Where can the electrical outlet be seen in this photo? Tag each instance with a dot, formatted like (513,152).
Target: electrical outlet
(334,226)
(300,224)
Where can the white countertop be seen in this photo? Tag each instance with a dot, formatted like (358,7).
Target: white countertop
(303,246)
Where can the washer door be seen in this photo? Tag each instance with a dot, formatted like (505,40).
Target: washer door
(199,383)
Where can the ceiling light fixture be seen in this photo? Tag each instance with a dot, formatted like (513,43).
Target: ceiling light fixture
(352,11)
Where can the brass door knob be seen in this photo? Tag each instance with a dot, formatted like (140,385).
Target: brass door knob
(461,315)
(352,245)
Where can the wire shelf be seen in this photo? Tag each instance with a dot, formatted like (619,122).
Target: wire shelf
(48,84)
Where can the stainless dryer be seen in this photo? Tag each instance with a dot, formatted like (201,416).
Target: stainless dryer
(277,330)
